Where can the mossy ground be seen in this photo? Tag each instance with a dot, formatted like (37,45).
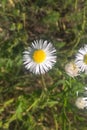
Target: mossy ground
(64,23)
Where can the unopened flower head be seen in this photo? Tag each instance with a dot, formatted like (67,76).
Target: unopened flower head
(40,57)
(81,59)
(72,69)
(81,102)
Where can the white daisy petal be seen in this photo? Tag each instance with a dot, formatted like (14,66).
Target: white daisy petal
(79,56)
(29,65)
(82,51)
(40,57)
(45,44)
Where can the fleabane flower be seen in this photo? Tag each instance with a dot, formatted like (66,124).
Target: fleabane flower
(81,59)
(40,57)
(72,69)
(81,102)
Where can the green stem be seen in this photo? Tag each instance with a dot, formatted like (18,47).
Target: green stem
(44,84)
(70,83)
(42,96)
(76,2)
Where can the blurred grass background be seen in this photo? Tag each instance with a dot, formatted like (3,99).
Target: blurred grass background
(64,23)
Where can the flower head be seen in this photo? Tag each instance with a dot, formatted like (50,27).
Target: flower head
(40,57)
(81,102)
(72,69)
(81,58)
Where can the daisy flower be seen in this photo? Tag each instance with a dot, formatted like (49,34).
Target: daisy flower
(72,69)
(81,59)
(81,102)
(40,57)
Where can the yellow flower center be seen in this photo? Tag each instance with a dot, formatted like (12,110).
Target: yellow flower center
(39,56)
(85,58)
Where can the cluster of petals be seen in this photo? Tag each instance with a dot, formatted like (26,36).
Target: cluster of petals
(81,59)
(81,102)
(72,69)
(46,64)
(79,65)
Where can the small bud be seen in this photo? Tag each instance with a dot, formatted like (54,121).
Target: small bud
(71,69)
(81,102)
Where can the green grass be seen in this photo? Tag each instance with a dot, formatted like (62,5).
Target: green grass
(23,103)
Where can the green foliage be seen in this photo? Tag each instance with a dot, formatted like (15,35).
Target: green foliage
(24,105)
